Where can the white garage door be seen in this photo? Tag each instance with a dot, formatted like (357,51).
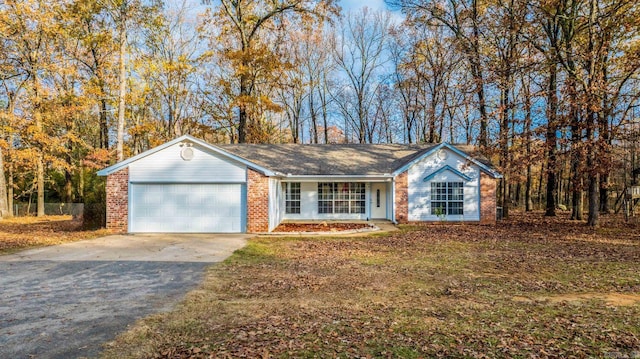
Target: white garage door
(186,208)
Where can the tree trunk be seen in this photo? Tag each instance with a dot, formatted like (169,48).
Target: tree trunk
(37,117)
(242,111)
(80,182)
(104,126)
(551,141)
(592,122)
(476,72)
(605,157)
(592,218)
(576,205)
(4,209)
(432,120)
(409,127)
(322,94)
(540,182)
(504,147)
(6,205)
(68,187)
(528,203)
(122,92)
(314,116)
(40,184)
(479,83)
(576,171)
(604,192)
(10,193)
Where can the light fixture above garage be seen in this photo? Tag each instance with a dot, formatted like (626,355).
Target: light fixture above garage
(186,152)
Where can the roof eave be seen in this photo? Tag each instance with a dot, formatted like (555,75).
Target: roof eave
(329,178)
(447,168)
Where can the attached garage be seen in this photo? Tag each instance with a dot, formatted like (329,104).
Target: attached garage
(184,186)
(186,208)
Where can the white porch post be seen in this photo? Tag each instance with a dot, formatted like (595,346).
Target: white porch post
(393,200)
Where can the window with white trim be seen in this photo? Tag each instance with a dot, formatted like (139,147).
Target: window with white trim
(341,197)
(447,198)
(292,197)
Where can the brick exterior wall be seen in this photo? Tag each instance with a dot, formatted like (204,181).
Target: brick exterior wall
(487,199)
(402,198)
(257,202)
(118,200)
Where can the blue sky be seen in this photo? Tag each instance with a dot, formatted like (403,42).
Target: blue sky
(355,4)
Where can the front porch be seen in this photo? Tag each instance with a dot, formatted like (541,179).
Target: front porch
(332,200)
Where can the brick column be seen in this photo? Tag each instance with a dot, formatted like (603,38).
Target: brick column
(402,198)
(257,202)
(118,200)
(487,199)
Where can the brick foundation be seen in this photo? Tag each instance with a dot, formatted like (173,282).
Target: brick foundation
(402,198)
(118,200)
(487,199)
(257,202)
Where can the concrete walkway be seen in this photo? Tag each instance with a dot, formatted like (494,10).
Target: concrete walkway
(65,301)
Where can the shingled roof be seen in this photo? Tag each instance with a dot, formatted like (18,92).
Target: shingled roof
(320,159)
(329,159)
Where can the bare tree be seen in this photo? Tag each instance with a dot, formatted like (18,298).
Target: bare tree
(463,18)
(359,53)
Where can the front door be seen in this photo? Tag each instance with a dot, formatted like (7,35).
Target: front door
(378,201)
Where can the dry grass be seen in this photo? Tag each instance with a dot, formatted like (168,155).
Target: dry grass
(426,291)
(25,232)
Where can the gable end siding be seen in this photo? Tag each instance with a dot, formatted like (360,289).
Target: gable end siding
(168,166)
(117,189)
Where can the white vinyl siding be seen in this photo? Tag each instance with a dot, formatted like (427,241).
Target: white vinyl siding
(168,166)
(420,191)
(186,208)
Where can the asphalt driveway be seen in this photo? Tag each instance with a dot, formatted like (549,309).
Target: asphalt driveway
(65,301)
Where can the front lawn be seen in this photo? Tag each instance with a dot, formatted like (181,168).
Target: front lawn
(19,233)
(529,287)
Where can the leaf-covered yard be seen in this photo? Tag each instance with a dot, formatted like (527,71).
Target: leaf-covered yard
(529,287)
(24,232)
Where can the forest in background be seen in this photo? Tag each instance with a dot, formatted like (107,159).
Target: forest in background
(547,89)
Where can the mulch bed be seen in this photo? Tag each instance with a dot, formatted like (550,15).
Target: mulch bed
(320,227)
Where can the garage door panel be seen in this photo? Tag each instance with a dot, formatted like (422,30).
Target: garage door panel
(186,208)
